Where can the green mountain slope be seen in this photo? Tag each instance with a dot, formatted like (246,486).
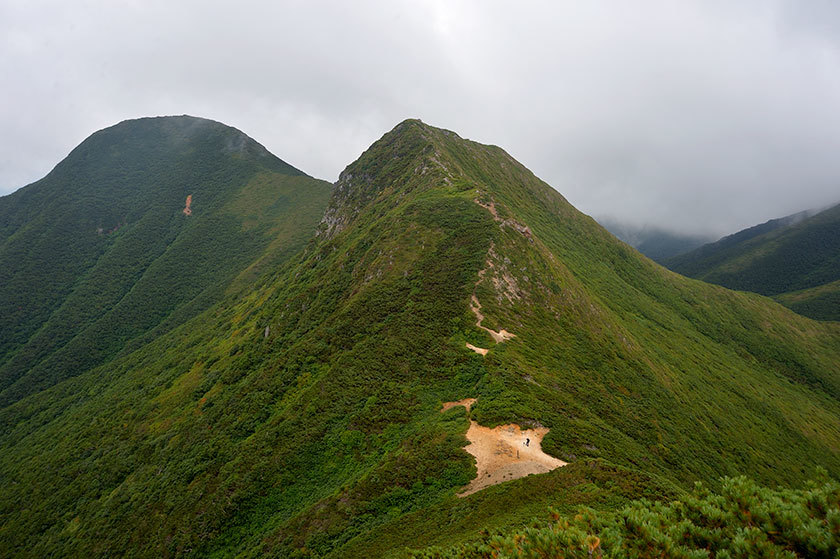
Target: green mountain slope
(100,255)
(787,255)
(303,417)
(821,302)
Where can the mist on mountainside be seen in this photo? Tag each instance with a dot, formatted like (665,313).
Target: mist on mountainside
(654,242)
(436,352)
(795,259)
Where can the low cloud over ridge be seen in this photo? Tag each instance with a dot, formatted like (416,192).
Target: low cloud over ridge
(697,116)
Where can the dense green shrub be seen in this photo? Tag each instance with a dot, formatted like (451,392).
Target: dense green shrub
(743,519)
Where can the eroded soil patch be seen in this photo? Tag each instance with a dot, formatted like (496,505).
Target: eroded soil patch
(478,350)
(466,402)
(504,453)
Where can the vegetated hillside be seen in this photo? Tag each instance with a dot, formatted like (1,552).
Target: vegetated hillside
(743,520)
(821,302)
(797,253)
(713,253)
(141,227)
(303,419)
(654,242)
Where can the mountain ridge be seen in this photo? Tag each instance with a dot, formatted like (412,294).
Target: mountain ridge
(793,259)
(107,223)
(302,416)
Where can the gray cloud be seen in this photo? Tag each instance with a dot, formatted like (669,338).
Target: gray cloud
(699,116)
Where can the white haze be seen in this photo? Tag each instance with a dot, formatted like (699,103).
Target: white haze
(698,116)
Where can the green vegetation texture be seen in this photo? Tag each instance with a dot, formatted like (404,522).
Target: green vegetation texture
(301,417)
(821,302)
(98,257)
(785,258)
(742,520)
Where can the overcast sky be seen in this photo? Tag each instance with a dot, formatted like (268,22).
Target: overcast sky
(701,116)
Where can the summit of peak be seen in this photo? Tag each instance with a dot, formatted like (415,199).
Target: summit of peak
(158,138)
(416,124)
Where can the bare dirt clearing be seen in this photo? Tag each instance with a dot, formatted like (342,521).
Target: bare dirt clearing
(466,402)
(478,350)
(504,453)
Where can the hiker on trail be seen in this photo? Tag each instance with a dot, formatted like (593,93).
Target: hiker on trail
(527,441)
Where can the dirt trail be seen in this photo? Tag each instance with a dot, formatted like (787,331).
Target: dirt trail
(501,335)
(466,402)
(491,207)
(501,453)
(478,350)
(475,306)
(187,210)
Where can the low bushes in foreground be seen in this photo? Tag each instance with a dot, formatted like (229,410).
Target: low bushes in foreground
(743,519)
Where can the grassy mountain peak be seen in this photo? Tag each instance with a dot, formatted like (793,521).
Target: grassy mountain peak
(405,158)
(302,417)
(140,227)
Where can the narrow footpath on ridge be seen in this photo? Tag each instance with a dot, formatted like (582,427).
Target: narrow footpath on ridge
(475,306)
